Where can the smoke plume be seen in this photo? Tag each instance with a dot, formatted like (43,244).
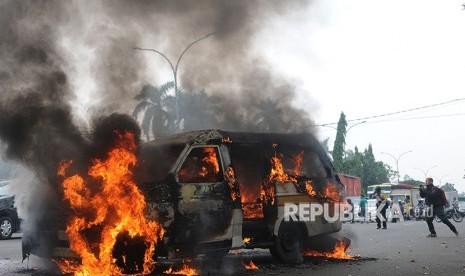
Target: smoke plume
(67,66)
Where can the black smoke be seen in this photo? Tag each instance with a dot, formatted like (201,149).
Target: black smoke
(55,53)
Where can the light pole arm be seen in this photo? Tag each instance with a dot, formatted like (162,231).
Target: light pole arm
(355,125)
(403,154)
(161,54)
(187,48)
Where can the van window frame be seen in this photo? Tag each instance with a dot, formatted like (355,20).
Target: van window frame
(187,153)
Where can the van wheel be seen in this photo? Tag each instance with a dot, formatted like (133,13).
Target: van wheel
(6,228)
(288,244)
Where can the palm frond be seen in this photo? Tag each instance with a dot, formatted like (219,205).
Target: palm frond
(140,108)
(146,121)
(164,88)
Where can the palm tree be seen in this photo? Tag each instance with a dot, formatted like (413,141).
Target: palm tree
(157,119)
(269,117)
(198,110)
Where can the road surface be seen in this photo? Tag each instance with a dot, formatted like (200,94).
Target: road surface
(402,249)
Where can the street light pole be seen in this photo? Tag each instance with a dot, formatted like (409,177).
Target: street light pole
(359,123)
(426,172)
(174,69)
(397,162)
(440,179)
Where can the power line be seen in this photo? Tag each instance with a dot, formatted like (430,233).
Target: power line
(397,112)
(417,118)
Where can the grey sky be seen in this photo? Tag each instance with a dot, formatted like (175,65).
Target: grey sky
(374,57)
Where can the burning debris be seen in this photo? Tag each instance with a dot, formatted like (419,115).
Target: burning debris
(185,269)
(338,251)
(107,205)
(250,266)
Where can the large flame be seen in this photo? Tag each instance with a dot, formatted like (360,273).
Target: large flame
(339,252)
(108,203)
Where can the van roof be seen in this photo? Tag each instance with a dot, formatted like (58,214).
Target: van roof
(217,136)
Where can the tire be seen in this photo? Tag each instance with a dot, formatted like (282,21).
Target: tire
(6,228)
(457,217)
(288,244)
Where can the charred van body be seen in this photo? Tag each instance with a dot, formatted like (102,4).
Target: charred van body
(214,191)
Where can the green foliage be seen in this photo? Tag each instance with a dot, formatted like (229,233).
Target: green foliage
(339,143)
(153,104)
(448,187)
(356,163)
(365,166)
(413,182)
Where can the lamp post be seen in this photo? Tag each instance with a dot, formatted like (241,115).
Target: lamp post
(356,124)
(440,179)
(426,172)
(174,68)
(397,162)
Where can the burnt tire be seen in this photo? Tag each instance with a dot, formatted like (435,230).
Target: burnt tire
(288,244)
(6,228)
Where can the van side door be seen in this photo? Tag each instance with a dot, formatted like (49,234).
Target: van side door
(204,206)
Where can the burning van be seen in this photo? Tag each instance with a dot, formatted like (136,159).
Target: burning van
(213,191)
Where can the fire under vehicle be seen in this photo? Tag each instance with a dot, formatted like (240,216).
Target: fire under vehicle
(213,191)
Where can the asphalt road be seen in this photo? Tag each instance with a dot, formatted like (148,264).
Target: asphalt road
(402,249)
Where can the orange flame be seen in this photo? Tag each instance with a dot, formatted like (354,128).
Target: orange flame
(298,159)
(309,188)
(339,252)
(211,160)
(108,203)
(185,270)
(332,192)
(252,210)
(246,240)
(232,182)
(226,140)
(250,266)
(277,174)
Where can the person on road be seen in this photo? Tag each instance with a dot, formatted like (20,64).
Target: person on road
(381,207)
(351,210)
(455,204)
(435,199)
(363,206)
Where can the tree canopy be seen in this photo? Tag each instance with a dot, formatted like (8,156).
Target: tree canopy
(356,163)
(448,187)
(339,143)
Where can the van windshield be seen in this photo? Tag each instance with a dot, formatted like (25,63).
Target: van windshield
(157,160)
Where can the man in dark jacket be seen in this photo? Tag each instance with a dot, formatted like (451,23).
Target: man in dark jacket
(381,207)
(435,199)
